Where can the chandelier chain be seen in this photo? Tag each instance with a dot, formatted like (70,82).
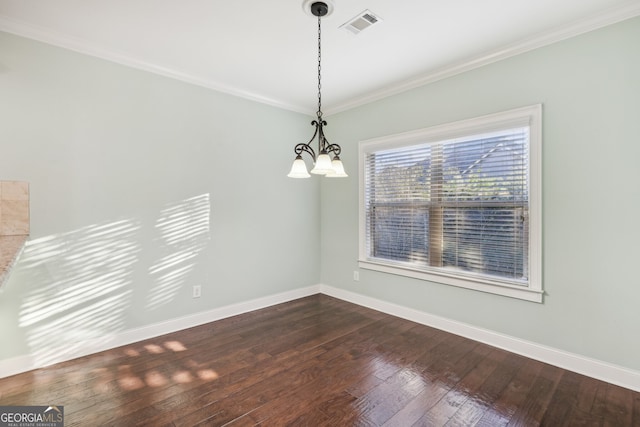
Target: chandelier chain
(319,69)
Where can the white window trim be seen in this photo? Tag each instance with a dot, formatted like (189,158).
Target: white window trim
(526,116)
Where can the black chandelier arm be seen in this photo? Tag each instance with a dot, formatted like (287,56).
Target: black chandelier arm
(324,144)
(319,132)
(300,148)
(333,148)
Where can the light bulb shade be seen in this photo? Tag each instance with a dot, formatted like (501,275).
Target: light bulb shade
(323,164)
(338,169)
(298,169)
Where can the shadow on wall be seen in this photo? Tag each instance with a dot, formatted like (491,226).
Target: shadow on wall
(80,283)
(183,232)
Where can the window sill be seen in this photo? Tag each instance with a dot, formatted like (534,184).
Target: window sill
(512,291)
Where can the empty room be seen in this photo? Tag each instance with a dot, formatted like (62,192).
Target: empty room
(319,213)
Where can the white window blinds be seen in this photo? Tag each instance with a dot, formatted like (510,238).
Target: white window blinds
(459,205)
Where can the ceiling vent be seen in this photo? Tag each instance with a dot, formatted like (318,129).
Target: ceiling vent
(361,22)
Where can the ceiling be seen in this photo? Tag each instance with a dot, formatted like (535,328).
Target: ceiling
(267,50)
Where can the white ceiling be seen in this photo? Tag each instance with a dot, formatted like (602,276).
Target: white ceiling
(266,50)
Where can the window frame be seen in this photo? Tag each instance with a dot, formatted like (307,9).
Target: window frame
(530,116)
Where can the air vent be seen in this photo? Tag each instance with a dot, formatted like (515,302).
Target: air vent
(361,22)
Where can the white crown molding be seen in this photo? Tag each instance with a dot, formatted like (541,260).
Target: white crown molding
(600,370)
(43,35)
(621,13)
(627,10)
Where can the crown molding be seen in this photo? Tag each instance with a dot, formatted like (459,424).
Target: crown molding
(612,16)
(23,29)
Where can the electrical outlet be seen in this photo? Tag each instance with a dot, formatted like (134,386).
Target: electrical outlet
(356,275)
(197,291)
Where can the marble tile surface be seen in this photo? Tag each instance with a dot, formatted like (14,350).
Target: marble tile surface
(14,190)
(10,249)
(14,208)
(14,224)
(14,217)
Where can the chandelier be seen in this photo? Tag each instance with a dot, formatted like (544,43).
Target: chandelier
(323,163)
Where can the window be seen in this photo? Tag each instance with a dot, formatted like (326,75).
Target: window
(457,204)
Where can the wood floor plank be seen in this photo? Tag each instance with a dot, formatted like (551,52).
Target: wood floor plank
(636,410)
(440,388)
(565,400)
(318,361)
(534,406)
(619,407)
(483,389)
(469,387)
(512,397)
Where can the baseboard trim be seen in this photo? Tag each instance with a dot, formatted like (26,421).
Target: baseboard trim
(597,369)
(600,370)
(29,362)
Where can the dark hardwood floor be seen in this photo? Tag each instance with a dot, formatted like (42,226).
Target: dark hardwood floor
(318,361)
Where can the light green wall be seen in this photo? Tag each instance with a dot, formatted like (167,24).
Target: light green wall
(590,90)
(113,156)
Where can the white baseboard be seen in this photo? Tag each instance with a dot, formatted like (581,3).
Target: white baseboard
(610,373)
(26,363)
(600,370)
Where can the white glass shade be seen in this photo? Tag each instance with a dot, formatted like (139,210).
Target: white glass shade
(338,169)
(323,164)
(298,169)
